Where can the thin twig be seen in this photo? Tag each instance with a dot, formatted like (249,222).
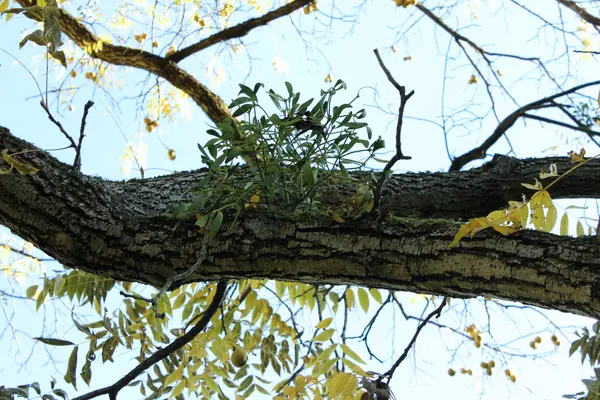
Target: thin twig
(437,312)
(404,97)
(58,124)
(161,354)
(77,162)
(237,31)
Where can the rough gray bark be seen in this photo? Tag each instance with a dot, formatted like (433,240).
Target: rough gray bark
(123,230)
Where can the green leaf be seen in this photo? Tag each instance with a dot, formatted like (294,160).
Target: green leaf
(257,87)
(72,368)
(277,99)
(42,296)
(308,174)
(239,101)
(216,223)
(243,110)
(200,222)
(54,342)
(289,88)
(247,91)
(86,373)
(36,37)
(31,291)
(109,347)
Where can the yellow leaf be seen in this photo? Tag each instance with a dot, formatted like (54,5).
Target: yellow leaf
(504,230)
(540,198)
(580,232)
(210,383)
(551,218)
(376,294)
(363,299)
(178,389)
(23,169)
(341,386)
(551,174)
(577,157)
(496,217)
(324,336)
(355,368)
(175,375)
(323,323)
(536,186)
(350,353)
(472,80)
(564,225)
(538,220)
(524,214)
(466,229)
(3,5)
(349,298)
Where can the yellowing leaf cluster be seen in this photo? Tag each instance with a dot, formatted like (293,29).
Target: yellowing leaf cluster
(405,3)
(539,210)
(311,7)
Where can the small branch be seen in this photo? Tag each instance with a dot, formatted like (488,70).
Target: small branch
(58,124)
(77,162)
(237,31)
(161,354)
(581,128)
(582,12)
(176,278)
(480,151)
(399,155)
(437,312)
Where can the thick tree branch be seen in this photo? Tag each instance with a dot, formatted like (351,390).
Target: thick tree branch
(237,31)
(124,230)
(211,104)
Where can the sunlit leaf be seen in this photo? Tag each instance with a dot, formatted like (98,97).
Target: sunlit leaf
(564,225)
(324,323)
(324,336)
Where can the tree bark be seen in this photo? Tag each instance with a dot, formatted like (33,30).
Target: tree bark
(124,230)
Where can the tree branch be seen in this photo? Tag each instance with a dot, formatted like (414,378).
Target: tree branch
(480,151)
(582,12)
(435,313)
(124,230)
(237,31)
(211,104)
(178,343)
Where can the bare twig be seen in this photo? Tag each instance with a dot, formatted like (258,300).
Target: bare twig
(161,354)
(77,162)
(480,151)
(58,124)
(435,313)
(399,155)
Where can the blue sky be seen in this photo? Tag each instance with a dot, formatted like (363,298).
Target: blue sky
(345,51)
